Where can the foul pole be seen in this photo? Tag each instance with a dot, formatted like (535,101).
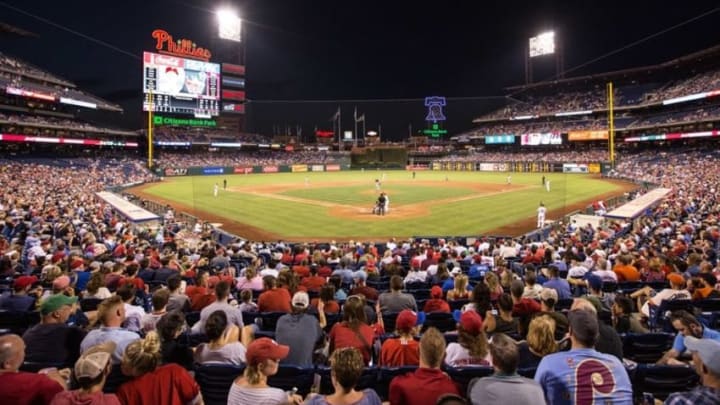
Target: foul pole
(611,124)
(150,130)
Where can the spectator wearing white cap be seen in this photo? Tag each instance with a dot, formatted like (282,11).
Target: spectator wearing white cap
(706,358)
(300,331)
(91,371)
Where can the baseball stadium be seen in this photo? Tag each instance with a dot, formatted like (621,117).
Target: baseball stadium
(252,224)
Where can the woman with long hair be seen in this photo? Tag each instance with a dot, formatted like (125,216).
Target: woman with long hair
(353,330)
(459,290)
(224,346)
(263,358)
(151,382)
(346,369)
(95,287)
(472,345)
(493,283)
(539,343)
(251,280)
(441,275)
(480,303)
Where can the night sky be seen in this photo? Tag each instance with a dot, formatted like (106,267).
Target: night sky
(353,50)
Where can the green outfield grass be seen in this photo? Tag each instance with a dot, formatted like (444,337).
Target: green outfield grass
(435,203)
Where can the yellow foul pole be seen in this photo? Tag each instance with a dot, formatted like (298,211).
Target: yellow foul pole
(611,124)
(150,130)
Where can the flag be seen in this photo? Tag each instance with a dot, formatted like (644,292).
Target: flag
(336,115)
(360,118)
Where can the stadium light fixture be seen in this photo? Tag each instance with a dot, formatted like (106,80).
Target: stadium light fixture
(229,25)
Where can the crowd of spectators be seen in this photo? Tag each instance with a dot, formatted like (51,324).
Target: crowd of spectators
(683,117)
(509,302)
(532,105)
(554,156)
(12,123)
(206,135)
(701,82)
(16,66)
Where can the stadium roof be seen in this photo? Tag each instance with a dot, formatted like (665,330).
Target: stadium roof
(624,73)
(8,30)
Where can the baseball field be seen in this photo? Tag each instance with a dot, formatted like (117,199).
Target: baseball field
(338,205)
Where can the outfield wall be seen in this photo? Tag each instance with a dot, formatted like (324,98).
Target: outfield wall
(218,170)
(522,167)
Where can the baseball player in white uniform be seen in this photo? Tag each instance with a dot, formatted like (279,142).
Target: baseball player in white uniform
(541,215)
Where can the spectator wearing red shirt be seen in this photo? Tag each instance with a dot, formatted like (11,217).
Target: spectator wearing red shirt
(323,269)
(360,288)
(273,299)
(21,388)
(152,383)
(353,331)
(302,269)
(523,308)
(403,350)
(436,303)
(327,296)
(427,383)
(313,282)
(200,295)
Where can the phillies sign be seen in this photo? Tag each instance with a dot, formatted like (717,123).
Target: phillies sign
(165,43)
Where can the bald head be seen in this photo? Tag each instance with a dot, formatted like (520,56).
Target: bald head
(583,304)
(12,353)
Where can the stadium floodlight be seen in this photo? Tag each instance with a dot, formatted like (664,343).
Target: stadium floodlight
(229,25)
(542,44)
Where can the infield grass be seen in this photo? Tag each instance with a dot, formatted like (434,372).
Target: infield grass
(337,204)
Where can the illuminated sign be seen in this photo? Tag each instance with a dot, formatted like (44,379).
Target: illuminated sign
(435,131)
(78,103)
(499,139)
(234,108)
(237,95)
(27,93)
(324,134)
(435,105)
(164,43)
(587,135)
(233,69)
(71,141)
(543,44)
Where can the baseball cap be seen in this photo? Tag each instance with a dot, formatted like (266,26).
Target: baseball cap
(301,299)
(61,283)
(360,275)
(708,350)
(595,282)
(94,360)
(436,292)
(23,282)
(408,319)
(54,302)
(547,294)
(676,278)
(263,349)
(76,263)
(470,321)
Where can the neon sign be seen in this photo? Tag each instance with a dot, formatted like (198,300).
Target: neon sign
(435,105)
(182,47)
(435,131)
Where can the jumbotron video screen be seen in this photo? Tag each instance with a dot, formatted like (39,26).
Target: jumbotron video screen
(181,86)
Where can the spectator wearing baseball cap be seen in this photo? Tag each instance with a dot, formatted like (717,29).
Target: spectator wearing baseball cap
(403,350)
(647,297)
(23,297)
(472,345)
(263,357)
(602,301)
(436,303)
(706,358)
(300,331)
(91,371)
(52,340)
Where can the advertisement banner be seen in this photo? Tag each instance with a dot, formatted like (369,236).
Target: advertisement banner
(270,169)
(594,168)
(575,168)
(487,167)
(332,168)
(243,170)
(175,172)
(499,139)
(597,135)
(546,138)
(298,168)
(436,166)
(416,168)
(213,170)
(318,168)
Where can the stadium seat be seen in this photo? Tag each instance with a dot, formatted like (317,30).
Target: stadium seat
(269,320)
(662,381)
(90,304)
(249,317)
(332,319)
(114,380)
(564,304)
(34,366)
(658,320)
(457,304)
(389,319)
(419,294)
(18,322)
(443,321)
(463,375)
(527,372)
(290,376)
(385,376)
(368,379)
(646,347)
(215,381)
(192,318)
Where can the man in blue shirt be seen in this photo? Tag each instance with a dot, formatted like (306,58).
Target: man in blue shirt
(24,295)
(111,313)
(583,375)
(686,325)
(560,285)
(706,358)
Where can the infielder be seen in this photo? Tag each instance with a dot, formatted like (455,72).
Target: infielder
(541,215)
